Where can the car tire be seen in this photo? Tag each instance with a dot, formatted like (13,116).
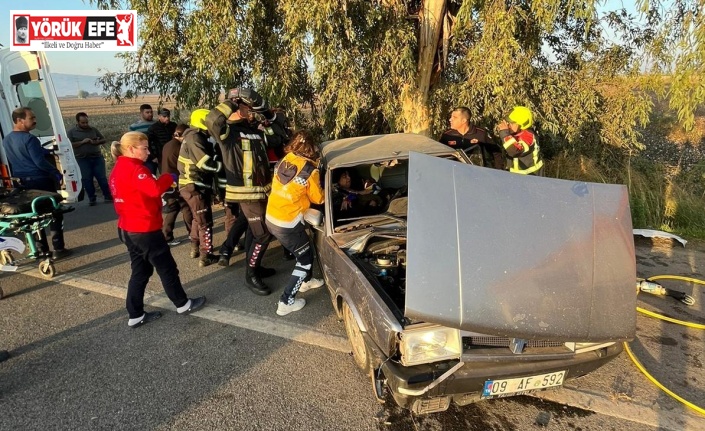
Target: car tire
(360,352)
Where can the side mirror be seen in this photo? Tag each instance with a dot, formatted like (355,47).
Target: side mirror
(313,217)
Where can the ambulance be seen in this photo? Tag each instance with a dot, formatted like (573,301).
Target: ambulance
(25,81)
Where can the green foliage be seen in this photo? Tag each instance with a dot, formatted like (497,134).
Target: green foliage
(356,64)
(82,94)
(658,199)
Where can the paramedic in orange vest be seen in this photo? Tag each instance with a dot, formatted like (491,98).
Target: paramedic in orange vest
(521,145)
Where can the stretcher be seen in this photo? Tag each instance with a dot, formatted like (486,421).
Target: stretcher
(26,213)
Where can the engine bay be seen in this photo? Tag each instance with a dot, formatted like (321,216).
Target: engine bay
(383,262)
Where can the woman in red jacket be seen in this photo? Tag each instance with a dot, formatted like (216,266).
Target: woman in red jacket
(138,203)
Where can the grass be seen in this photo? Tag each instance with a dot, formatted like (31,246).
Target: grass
(666,183)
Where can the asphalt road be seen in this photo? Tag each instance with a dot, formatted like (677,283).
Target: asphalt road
(235,365)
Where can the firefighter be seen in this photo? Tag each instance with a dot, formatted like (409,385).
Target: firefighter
(521,145)
(197,167)
(248,175)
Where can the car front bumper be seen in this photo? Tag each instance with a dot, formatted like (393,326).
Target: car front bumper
(471,377)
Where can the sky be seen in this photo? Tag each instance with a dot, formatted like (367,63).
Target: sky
(75,63)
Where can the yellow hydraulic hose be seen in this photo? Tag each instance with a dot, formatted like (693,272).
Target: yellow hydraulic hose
(657,383)
(677,322)
(670,319)
(676,277)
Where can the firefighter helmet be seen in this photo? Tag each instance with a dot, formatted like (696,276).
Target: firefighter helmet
(522,116)
(198,119)
(247,97)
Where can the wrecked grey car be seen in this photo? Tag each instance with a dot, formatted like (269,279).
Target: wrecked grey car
(469,283)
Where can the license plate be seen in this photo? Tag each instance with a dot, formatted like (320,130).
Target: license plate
(521,385)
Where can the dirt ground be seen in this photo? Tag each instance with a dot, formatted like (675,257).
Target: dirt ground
(674,354)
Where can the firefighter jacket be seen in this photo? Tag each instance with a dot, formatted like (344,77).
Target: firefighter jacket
(523,152)
(247,172)
(196,163)
(296,185)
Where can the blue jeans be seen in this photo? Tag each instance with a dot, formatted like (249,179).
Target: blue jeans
(94,167)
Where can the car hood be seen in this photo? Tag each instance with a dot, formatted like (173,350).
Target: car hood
(519,256)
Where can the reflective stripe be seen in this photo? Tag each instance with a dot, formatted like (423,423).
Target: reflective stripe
(537,163)
(247,168)
(185,161)
(244,197)
(227,132)
(225,109)
(185,182)
(203,161)
(246,162)
(527,171)
(242,193)
(508,143)
(534,168)
(187,171)
(515,166)
(253,189)
(283,223)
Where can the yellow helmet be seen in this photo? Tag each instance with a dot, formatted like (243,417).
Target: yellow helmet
(522,116)
(198,118)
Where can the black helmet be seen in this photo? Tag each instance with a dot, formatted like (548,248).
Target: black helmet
(247,97)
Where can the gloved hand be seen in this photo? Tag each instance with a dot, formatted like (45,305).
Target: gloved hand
(175,178)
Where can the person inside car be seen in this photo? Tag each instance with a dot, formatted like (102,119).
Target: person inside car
(354,197)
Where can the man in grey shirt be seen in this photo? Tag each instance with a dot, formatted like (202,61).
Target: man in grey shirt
(86,142)
(142,125)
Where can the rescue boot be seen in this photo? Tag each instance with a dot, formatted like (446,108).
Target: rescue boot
(255,283)
(195,250)
(263,272)
(207,259)
(288,255)
(225,253)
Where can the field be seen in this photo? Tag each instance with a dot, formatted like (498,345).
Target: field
(111,120)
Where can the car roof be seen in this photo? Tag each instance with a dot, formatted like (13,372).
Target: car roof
(374,148)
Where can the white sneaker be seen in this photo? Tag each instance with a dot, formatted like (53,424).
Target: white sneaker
(174,242)
(284,309)
(313,283)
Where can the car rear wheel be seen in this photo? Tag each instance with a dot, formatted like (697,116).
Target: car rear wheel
(360,353)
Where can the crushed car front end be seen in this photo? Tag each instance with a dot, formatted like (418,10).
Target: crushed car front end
(437,365)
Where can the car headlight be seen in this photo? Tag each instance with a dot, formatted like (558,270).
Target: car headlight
(429,343)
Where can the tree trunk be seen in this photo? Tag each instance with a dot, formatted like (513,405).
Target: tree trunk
(415,96)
